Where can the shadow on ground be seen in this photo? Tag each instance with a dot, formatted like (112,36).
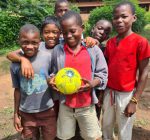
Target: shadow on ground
(140,134)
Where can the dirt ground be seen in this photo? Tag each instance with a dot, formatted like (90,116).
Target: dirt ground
(141,129)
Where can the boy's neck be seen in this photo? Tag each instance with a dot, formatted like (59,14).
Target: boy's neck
(122,36)
(76,48)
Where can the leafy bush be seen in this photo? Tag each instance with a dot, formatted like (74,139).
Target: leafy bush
(9,27)
(18,13)
(74,8)
(147,17)
(31,11)
(141,21)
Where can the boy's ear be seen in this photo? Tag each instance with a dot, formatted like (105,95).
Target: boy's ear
(134,17)
(83,26)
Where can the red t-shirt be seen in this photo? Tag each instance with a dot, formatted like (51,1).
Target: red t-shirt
(123,61)
(82,63)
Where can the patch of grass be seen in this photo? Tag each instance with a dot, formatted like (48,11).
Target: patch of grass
(141,122)
(7,111)
(4,51)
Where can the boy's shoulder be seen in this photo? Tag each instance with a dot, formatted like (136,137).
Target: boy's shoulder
(139,37)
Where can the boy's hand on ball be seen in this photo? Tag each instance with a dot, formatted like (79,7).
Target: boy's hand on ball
(87,85)
(51,83)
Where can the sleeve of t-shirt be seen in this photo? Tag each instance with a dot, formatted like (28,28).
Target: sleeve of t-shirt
(106,53)
(101,69)
(14,76)
(143,49)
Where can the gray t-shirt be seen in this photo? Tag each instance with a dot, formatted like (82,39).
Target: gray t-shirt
(35,94)
(43,47)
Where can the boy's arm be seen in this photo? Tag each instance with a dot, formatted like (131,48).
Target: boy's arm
(101,69)
(14,56)
(90,42)
(26,66)
(17,119)
(142,78)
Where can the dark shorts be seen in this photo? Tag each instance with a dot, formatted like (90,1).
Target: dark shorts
(33,123)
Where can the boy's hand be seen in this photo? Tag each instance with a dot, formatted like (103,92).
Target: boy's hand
(26,68)
(90,42)
(100,98)
(87,85)
(130,109)
(51,83)
(17,123)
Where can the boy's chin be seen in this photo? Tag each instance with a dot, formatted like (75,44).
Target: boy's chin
(30,55)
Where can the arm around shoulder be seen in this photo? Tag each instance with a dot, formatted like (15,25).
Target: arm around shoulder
(14,56)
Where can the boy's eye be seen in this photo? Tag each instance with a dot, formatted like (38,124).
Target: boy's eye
(24,43)
(46,32)
(73,31)
(55,32)
(124,16)
(34,43)
(99,28)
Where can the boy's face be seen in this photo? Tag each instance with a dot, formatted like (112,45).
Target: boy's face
(29,42)
(72,32)
(61,9)
(101,31)
(123,19)
(51,35)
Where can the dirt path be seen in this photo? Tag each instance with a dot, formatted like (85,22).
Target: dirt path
(141,129)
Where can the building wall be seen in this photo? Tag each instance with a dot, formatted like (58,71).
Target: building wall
(86,6)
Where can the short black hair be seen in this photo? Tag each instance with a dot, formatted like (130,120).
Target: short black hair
(57,3)
(29,28)
(70,14)
(50,20)
(132,6)
(104,20)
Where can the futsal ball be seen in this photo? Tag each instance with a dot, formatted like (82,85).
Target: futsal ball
(68,80)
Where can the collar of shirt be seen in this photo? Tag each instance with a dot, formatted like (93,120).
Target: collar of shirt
(67,48)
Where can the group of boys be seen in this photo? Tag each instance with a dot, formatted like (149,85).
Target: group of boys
(125,54)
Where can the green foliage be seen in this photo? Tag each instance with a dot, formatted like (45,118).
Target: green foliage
(19,12)
(141,21)
(74,8)
(146,31)
(9,28)
(31,11)
(147,17)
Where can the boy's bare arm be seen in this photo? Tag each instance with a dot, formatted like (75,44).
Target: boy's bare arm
(17,119)
(14,56)
(26,66)
(142,78)
(16,100)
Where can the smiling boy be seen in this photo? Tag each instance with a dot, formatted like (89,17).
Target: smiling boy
(92,67)
(33,105)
